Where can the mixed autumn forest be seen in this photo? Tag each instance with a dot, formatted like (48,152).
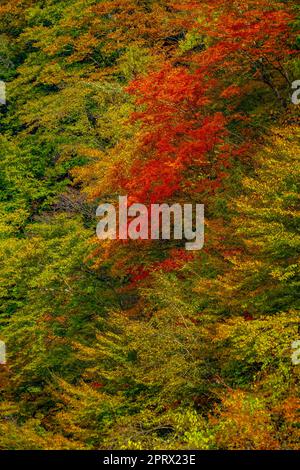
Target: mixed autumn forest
(142,344)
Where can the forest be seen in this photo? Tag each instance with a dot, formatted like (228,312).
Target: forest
(143,344)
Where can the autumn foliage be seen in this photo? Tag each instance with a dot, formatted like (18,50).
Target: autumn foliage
(141,344)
